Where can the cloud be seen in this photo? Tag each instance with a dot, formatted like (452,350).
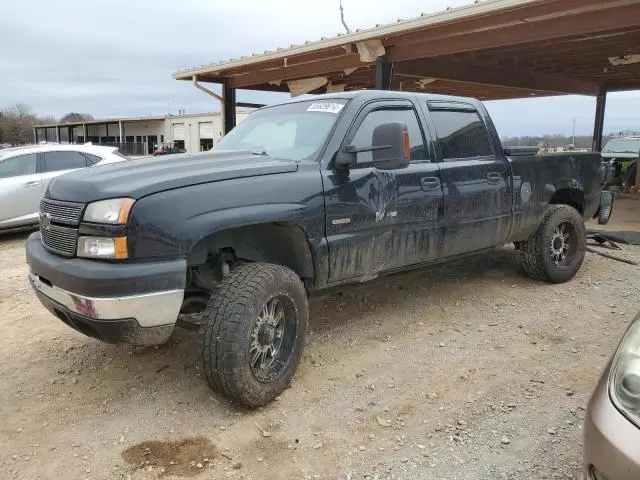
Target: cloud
(116,59)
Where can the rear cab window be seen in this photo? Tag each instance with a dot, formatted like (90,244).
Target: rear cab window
(461,132)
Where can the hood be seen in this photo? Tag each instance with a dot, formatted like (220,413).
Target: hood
(138,178)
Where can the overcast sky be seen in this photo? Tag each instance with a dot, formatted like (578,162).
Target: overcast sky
(116,58)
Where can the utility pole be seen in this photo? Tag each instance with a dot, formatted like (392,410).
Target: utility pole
(573,141)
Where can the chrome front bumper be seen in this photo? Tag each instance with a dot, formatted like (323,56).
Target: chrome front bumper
(148,310)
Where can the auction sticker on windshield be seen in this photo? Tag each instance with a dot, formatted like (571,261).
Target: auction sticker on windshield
(327,107)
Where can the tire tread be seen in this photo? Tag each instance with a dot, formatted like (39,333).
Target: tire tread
(533,248)
(231,306)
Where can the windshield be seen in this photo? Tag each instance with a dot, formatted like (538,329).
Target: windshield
(622,145)
(293,131)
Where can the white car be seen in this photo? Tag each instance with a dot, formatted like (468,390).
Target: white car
(25,173)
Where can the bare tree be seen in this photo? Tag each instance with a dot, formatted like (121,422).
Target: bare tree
(72,117)
(16,124)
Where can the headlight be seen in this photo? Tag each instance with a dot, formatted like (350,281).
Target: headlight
(103,247)
(114,211)
(625,374)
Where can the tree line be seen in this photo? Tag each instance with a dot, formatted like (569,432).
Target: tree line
(17,122)
(554,141)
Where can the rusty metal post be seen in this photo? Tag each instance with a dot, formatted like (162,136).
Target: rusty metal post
(384,73)
(228,108)
(601,102)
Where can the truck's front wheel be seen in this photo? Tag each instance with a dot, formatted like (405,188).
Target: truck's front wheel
(554,253)
(254,332)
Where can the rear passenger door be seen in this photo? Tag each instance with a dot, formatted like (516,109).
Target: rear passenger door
(476,180)
(58,162)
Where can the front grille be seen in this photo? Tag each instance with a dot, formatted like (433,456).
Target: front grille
(61,212)
(56,220)
(60,240)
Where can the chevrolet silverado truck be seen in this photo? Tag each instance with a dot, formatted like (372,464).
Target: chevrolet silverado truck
(298,197)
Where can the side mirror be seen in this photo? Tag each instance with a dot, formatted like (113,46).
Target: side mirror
(390,148)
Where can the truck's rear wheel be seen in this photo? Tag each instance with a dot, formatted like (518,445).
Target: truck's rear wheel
(254,332)
(554,253)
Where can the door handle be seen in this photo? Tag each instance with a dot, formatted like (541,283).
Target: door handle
(494,178)
(429,183)
(31,184)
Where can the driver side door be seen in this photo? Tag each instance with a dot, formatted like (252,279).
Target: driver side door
(381,220)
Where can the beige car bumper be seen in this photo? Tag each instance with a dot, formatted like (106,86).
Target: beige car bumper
(611,441)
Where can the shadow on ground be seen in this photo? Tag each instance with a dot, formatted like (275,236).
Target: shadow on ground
(176,367)
(18,236)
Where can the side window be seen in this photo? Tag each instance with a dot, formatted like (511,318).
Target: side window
(92,159)
(55,161)
(461,134)
(18,166)
(364,135)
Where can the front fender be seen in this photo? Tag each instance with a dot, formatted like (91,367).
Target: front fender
(204,224)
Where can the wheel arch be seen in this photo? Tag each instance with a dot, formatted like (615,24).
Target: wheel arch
(571,196)
(278,242)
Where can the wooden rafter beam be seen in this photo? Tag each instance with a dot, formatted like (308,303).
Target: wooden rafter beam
(622,86)
(627,16)
(305,70)
(436,68)
(526,12)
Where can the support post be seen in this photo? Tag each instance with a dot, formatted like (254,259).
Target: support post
(46,134)
(121,128)
(637,175)
(384,73)
(601,102)
(58,134)
(35,135)
(70,135)
(228,108)
(84,133)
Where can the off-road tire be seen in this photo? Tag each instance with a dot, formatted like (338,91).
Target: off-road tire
(536,252)
(228,323)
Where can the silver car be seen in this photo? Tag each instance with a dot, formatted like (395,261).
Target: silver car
(26,171)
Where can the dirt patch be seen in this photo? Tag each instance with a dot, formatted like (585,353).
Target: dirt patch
(419,375)
(187,457)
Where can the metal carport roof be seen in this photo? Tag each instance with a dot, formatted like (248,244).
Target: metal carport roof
(493,49)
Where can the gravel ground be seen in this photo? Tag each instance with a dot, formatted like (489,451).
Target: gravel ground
(465,371)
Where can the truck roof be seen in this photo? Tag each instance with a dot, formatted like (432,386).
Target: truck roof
(366,95)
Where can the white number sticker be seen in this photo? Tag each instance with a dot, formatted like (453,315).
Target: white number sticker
(327,107)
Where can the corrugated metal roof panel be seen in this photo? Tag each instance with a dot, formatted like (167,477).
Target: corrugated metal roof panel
(400,26)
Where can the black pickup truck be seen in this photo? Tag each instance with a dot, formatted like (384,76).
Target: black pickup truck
(298,197)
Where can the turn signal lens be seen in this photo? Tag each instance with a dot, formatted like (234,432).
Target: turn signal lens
(406,145)
(103,247)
